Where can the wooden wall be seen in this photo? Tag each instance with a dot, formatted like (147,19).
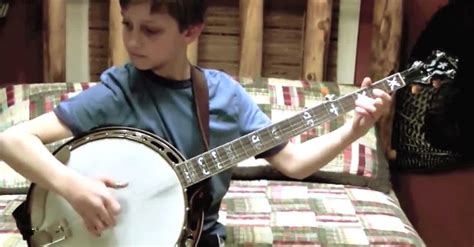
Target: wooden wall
(220,43)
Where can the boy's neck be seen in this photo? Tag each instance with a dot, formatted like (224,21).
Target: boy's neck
(179,71)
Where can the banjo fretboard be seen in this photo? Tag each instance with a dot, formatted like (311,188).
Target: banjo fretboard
(228,155)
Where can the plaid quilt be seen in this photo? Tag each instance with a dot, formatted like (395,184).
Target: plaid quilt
(282,213)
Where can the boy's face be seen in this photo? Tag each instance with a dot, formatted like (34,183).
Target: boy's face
(152,40)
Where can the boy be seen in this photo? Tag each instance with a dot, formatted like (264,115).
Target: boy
(153,93)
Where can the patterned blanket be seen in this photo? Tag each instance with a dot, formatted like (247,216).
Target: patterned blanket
(281,213)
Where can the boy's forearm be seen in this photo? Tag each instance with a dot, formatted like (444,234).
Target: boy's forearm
(27,155)
(300,161)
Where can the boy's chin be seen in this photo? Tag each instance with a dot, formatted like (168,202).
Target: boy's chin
(141,66)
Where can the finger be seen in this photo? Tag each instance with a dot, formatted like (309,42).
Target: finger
(366,103)
(415,89)
(366,82)
(98,227)
(113,184)
(107,219)
(93,226)
(383,95)
(112,206)
(91,229)
(364,112)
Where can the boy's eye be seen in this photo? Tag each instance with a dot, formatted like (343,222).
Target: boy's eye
(151,31)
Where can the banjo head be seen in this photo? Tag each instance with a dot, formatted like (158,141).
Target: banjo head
(153,206)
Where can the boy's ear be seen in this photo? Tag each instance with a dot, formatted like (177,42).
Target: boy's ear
(193,32)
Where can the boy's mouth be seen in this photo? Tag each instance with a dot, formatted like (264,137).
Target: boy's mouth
(136,55)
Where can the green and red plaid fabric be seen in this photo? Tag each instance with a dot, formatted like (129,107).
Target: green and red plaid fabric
(284,213)
(359,164)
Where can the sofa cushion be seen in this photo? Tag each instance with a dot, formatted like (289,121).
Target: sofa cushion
(360,164)
(289,213)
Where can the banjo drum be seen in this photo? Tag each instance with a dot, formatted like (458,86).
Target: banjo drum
(154,205)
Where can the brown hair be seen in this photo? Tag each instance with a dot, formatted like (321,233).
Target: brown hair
(185,12)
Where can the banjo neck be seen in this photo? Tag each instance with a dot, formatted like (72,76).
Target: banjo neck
(438,66)
(228,155)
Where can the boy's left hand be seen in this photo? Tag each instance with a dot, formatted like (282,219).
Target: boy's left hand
(369,110)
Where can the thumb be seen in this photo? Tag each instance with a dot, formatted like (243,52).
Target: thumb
(366,82)
(113,184)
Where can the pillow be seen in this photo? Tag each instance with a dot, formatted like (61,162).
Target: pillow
(360,164)
(21,102)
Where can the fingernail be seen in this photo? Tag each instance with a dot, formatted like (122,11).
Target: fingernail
(121,184)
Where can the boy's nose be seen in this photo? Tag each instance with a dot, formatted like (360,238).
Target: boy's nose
(134,41)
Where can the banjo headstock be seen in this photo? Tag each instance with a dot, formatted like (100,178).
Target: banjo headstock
(438,66)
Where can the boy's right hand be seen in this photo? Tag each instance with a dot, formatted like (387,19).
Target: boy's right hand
(94,202)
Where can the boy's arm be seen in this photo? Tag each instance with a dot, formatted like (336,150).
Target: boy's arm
(300,161)
(22,147)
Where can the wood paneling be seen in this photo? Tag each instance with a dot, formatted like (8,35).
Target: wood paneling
(54,35)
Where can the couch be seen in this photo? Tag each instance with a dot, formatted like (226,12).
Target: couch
(350,202)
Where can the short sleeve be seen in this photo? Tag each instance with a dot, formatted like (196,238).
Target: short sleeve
(100,105)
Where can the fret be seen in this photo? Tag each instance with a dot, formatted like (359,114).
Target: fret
(245,144)
(230,153)
(284,126)
(348,102)
(221,152)
(293,124)
(187,175)
(382,85)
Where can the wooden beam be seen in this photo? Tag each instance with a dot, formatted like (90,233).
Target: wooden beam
(316,39)
(251,38)
(385,57)
(54,41)
(117,53)
(386,38)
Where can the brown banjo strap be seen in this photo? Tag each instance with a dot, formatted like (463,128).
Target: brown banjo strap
(201,102)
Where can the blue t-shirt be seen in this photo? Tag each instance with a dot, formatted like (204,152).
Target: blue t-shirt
(130,97)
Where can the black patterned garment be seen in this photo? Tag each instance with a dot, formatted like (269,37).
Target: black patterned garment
(414,151)
(434,129)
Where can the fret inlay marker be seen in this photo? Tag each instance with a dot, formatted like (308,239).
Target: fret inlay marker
(309,119)
(334,110)
(276,133)
(256,142)
(203,166)
(393,83)
(229,152)
(216,159)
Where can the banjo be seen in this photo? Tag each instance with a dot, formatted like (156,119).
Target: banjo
(160,206)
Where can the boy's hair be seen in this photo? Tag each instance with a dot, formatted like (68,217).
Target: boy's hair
(185,12)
